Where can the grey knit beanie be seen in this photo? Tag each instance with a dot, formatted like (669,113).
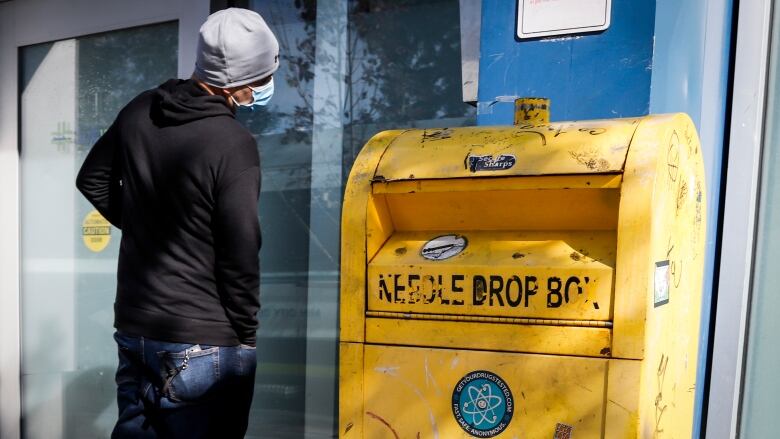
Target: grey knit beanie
(235,48)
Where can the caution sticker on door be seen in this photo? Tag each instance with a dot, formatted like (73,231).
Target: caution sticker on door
(95,231)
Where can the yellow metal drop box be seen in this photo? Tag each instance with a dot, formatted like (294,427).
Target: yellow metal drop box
(533,281)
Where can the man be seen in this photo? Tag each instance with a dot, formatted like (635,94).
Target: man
(180,176)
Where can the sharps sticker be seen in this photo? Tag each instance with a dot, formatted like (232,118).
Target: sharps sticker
(661,281)
(443,247)
(95,231)
(482,404)
(489,163)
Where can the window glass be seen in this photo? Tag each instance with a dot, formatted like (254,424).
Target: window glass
(349,69)
(71,91)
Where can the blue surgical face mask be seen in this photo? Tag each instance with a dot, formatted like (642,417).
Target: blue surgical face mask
(260,96)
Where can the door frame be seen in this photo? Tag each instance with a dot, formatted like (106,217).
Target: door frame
(26,22)
(740,208)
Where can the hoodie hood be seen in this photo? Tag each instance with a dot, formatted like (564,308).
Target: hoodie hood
(179,101)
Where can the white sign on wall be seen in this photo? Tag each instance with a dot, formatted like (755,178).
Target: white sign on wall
(542,18)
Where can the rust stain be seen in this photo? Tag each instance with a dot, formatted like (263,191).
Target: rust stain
(563,431)
(444,133)
(386,424)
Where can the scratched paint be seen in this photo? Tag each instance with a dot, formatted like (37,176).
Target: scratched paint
(394,372)
(384,423)
(558,302)
(529,149)
(540,385)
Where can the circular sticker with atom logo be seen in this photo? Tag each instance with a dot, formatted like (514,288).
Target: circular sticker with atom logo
(482,404)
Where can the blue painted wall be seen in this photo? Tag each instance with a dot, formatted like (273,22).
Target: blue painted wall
(589,76)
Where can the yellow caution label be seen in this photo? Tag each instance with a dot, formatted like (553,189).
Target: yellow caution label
(95,231)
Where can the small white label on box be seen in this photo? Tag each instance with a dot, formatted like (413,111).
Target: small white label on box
(661,281)
(543,18)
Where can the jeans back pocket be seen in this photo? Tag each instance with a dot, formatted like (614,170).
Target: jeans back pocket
(189,375)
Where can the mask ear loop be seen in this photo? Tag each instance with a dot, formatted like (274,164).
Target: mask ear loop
(236,102)
(254,90)
(262,87)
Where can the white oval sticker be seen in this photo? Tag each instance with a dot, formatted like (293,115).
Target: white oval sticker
(443,247)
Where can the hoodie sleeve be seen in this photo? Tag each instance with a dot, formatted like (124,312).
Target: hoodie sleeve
(100,177)
(237,239)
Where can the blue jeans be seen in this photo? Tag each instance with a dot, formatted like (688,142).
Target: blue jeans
(181,390)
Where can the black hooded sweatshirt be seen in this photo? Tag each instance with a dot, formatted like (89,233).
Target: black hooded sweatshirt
(181,178)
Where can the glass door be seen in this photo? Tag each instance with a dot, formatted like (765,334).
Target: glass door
(343,78)
(70,92)
(760,394)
